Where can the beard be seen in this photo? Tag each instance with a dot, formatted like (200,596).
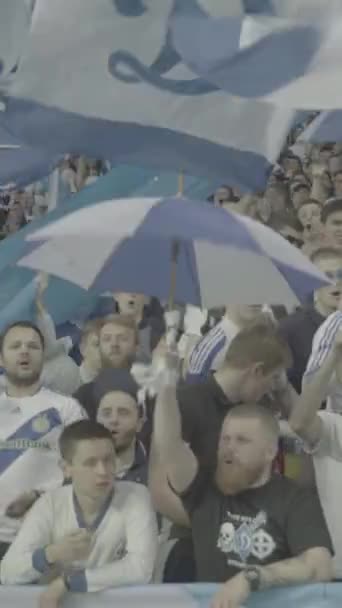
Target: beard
(117,362)
(22,381)
(233,478)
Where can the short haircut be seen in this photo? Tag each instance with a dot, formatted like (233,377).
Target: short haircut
(126,321)
(333,205)
(82,430)
(258,412)
(259,344)
(325,253)
(23,325)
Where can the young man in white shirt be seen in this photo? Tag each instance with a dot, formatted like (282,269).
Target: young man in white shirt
(322,435)
(31,420)
(93,534)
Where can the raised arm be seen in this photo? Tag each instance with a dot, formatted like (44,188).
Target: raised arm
(304,419)
(178,459)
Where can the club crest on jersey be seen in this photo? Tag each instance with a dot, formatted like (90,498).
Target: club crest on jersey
(41,424)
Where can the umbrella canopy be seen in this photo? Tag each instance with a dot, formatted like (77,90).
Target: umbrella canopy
(127,245)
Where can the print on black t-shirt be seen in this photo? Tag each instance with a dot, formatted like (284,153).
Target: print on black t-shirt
(242,536)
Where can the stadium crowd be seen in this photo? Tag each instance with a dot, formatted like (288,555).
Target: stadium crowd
(148,445)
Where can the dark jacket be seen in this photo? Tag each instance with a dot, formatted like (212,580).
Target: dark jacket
(298,329)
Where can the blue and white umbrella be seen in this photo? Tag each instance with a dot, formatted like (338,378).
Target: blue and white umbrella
(136,244)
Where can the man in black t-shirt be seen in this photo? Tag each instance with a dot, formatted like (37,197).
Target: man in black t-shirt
(251,530)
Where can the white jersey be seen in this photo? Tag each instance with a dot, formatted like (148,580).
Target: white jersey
(327,459)
(29,458)
(322,345)
(124,540)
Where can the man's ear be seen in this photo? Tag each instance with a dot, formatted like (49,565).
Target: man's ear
(258,369)
(66,468)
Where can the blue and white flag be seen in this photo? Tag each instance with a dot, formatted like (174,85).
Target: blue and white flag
(102,78)
(327,127)
(281,51)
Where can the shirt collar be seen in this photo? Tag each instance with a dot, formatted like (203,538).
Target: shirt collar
(217,392)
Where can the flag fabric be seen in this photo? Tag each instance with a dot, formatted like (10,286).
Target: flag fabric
(284,52)
(326,127)
(102,78)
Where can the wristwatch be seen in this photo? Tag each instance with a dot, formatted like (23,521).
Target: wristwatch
(253,576)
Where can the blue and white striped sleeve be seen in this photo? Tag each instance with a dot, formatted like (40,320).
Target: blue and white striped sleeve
(323,342)
(205,353)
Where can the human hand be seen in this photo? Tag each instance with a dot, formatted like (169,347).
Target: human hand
(51,596)
(18,507)
(73,547)
(232,594)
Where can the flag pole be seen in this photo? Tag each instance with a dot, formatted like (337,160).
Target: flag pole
(175,251)
(180,184)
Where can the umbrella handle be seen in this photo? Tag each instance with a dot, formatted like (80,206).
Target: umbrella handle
(173,277)
(180,184)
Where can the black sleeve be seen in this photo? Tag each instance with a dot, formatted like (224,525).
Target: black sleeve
(189,411)
(192,497)
(306,526)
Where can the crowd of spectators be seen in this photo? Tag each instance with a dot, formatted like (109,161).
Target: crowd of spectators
(147,445)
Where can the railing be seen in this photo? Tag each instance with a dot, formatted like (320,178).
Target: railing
(180,596)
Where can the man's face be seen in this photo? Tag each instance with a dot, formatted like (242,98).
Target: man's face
(117,346)
(300,196)
(333,229)
(256,383)
(92,467)
(91,352)
(22,356)
(244,453)
(131,303)
(119,413)
(291,166)
(309,214)
(329,297)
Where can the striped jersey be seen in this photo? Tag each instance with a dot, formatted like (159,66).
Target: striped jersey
(322,344)
(29,458)
(209,353)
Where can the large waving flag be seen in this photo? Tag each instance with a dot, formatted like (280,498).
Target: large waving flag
(21,164)
(102,77)
(281,51)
